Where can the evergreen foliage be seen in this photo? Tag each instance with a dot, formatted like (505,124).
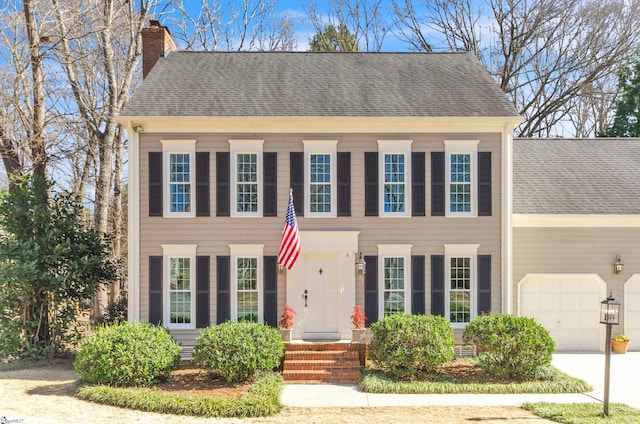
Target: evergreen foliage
(626,122)
(50,263)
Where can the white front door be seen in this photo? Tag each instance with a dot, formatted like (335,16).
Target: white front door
(321,297)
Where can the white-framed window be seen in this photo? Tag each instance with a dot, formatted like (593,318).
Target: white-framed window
(179,263)
(394,271)
(461,270)
(246,282)
(394,169)
(461,171)
(320,178)
(246,177)
(179,177)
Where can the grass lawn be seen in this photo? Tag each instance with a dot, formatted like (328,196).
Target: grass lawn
(463,376)
(584,413)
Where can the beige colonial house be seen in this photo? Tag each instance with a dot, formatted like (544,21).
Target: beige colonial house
(401,159)
(576,207)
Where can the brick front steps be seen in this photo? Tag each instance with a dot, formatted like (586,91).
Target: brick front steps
(318,362)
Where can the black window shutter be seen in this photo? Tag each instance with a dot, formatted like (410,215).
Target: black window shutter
(437,285)
(417,284)
(296,175)
(223,184)
(155,184)
(371,184)
(344,183)
(223,289)
(202,291)
(270,184)
(371,289)
(484,284)
(437,184)
(202,184)
(484,183)
(155,290)
(417,184)
(270,291)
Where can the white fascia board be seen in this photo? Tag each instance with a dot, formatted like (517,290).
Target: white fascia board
(322,124)
(575,221)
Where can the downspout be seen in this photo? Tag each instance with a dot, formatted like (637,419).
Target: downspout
(507,215)
(133,172)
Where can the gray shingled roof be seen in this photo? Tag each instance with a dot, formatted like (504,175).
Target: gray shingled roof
(576,176)
(319,84)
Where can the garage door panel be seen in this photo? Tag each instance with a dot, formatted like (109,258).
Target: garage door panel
(632,310)
(548,302)
(567,305)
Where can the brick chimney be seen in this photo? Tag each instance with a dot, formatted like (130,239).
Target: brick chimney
(156,43)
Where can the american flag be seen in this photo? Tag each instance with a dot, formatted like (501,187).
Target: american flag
(290,246)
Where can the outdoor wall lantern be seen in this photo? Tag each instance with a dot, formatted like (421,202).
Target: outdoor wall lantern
(281,268)
(138,128)
(618,265)
(609,315)
(361,265)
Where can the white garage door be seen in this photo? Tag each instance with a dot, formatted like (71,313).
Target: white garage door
(631,305)
(567,305)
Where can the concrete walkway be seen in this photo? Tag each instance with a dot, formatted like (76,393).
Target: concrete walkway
(625,388)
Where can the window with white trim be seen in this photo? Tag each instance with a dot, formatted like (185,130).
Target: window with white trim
(395,276)
(179,178)
(460,283)
(179,263)
(461,188)
(246,281)
(246,176)
(320,178)
(395,177)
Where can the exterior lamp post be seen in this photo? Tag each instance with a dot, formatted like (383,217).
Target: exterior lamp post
(361,266)
(609,315)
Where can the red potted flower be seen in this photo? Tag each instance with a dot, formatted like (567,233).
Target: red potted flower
(286,322)
(358,319)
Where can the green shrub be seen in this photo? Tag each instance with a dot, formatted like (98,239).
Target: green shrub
(410,346)
(510,346)
(238,351)
(130,354)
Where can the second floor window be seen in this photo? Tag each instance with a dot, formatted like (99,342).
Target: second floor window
(460,186)
(320,178)
(179,177)
(246,175)
(394,169)
(394,183)
(320,183)
(247,182)
(179,183)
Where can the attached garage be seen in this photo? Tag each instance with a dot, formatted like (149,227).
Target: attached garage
(567,305)
(631,307)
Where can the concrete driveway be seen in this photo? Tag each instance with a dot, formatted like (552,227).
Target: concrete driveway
(624,386)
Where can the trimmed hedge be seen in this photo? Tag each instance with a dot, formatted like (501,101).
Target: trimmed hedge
(263,399)
(238,352)
(510,346)
(129,354)
(411,346)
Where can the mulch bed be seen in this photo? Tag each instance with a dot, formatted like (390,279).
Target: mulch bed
(188,379)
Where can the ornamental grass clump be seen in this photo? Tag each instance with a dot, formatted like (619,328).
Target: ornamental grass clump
(409,346)
(238,352)
(126,355)
(510,346)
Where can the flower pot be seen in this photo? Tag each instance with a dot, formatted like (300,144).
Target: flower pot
(620,347)
(357,335)
(285,333)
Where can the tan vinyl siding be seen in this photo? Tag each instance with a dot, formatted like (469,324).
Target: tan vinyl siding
(576,250)
(427,234)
